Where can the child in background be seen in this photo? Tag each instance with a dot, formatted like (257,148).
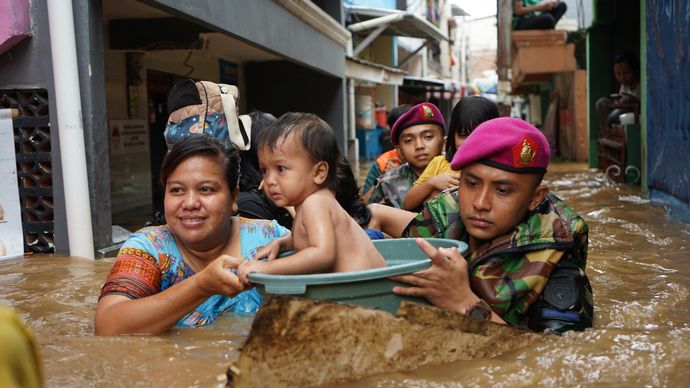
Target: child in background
(438,176)
(419,136)
(299,155)
(391,158)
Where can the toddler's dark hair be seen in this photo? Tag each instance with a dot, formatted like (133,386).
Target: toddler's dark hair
(314,134)
(347,194)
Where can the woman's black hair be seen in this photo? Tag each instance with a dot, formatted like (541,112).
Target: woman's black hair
(467,114)
(224,153)
(347,194)
(314,134)
(630,59)
(250,177)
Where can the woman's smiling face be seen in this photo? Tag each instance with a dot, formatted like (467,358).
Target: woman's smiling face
(198,203)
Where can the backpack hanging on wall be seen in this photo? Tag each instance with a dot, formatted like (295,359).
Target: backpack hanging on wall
(207,108)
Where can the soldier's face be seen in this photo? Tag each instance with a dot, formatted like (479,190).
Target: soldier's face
(493,201)
(419,144)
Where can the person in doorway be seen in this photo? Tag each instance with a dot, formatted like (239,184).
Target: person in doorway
(391,158)
(299,157)
(438,175)
(626,68)
(418,134)
(181,273)
(527,248)
(537,14)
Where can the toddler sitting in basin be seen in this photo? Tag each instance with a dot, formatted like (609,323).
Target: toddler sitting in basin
(298,155)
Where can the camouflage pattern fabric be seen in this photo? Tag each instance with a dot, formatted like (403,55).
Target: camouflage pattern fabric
(372,176)
(512,271)
(392,186)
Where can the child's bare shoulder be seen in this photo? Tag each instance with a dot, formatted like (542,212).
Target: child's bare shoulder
(320,198)
(320,203)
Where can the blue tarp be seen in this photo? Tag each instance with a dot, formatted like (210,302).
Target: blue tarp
(668,97)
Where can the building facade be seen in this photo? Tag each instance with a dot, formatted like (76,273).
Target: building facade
(284,55)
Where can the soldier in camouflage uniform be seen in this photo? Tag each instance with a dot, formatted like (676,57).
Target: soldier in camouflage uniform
(418,134)
(528,249)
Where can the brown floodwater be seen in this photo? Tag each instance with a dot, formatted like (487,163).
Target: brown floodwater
(639,267)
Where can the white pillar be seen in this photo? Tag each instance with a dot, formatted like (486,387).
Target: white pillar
(70,128)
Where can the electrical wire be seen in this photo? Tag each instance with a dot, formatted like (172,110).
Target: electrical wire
(185,64)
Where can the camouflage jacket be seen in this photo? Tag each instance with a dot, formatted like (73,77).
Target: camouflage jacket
(532,277)
(392,186)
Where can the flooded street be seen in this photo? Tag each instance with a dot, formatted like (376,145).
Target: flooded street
(639,267)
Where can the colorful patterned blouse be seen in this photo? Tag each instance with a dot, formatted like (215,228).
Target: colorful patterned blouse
(150,261)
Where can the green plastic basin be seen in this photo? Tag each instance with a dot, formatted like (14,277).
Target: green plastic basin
(369,288)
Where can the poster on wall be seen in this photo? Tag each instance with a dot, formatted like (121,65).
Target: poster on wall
(11,237)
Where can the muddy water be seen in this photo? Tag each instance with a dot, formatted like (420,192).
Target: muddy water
(639,266)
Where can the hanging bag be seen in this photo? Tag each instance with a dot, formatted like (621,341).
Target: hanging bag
(207,108)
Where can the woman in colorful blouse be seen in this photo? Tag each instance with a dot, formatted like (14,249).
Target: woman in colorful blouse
(182,273)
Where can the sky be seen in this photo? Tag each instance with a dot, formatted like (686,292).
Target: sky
(477,8)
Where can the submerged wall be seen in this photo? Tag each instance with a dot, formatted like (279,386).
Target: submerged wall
(668,101)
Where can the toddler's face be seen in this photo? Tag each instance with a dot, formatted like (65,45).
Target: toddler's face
(289,174)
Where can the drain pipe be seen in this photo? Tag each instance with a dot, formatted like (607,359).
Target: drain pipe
(71,128)
(352,143)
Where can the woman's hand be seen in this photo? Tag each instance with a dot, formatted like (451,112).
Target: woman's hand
(217,279)
(157,313)
(445,284)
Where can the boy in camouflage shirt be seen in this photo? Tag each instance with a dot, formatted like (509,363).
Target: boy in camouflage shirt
(418,134)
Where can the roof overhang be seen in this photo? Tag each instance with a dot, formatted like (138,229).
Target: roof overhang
(365,71)
(400,23)
(430,83)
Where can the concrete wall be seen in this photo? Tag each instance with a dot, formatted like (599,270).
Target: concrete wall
(28,65)
(668,94)
(14,24)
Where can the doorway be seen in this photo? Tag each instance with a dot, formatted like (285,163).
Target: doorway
(158,84)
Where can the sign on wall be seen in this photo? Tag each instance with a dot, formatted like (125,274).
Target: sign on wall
(11,236)
(128,137)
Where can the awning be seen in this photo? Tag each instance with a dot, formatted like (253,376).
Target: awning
(395,23)
(362,70)
(427,83)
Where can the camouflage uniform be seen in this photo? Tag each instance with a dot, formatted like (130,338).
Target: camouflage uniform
(532,277)
(392,186)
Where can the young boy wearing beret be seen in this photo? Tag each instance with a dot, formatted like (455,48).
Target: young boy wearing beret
(418,134)
(528,249)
